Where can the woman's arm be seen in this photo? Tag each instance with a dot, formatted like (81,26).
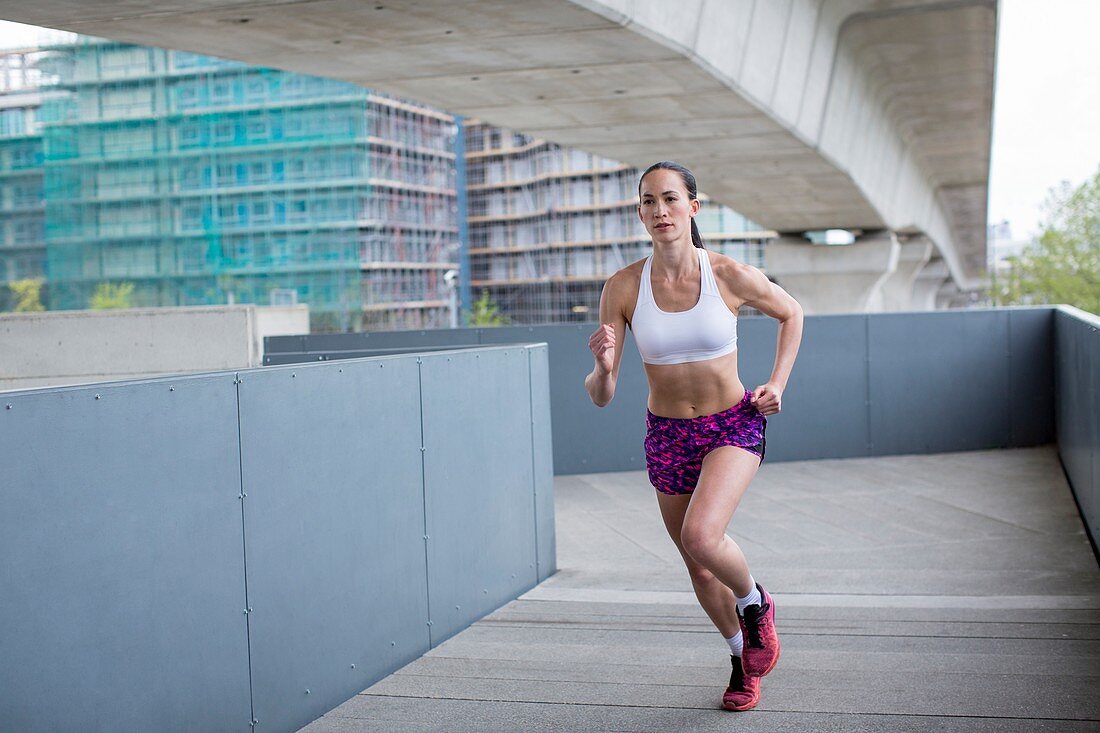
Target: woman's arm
(771,300)
(606,344)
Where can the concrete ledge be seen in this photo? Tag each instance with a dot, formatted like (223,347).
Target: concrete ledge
(56,348)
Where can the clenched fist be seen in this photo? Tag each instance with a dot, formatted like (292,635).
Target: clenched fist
(602,345)
(767,398)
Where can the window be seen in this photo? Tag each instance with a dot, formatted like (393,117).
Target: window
(27,194)
(187,96)
(189,177)
(12,122)
(29,231)
(258,173)
(298,210)
(28,266)
(258,130)
(261,212)
(255,89)
(190,134)
(27,156)
(221,91)
(224,132)
(191,217)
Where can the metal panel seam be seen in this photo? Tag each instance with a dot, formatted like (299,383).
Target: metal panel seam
(1056,346)
(534,475)
(424,498)
(1011,442)
(244,553)
(867,382)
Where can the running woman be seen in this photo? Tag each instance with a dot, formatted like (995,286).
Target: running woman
(704,431)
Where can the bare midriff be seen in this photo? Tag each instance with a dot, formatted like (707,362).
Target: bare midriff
(694,388)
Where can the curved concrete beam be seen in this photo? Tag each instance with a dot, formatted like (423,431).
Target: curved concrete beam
(890,104)
(801,114)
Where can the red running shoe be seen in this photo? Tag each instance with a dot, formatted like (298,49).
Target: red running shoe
(744,691)
(761,650)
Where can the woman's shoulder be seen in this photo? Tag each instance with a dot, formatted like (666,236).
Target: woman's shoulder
(625,276)
(737,276)
(728,268)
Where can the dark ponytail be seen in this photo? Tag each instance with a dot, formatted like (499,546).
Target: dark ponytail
(696,238)
(689,184)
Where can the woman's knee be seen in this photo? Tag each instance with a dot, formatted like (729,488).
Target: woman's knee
(701,543)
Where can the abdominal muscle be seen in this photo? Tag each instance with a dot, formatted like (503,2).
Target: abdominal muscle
(694,388)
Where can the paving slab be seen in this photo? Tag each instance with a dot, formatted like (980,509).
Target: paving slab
(952,592)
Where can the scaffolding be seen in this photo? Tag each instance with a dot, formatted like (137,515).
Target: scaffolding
(201,180)
(548,225)
(22,200)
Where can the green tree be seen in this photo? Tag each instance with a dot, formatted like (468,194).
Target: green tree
(109,295)
(27,294)
(485,312)
(1063,264)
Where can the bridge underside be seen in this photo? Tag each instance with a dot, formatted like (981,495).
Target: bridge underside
(866,115)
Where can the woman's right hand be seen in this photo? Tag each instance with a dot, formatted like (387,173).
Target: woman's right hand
(602,345)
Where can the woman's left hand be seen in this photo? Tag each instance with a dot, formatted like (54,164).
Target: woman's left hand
(767,398)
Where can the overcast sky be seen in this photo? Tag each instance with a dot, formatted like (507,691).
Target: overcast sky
(1046,109)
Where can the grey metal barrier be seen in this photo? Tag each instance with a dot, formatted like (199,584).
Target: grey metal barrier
(246,550)
(863,385)
(1077,339)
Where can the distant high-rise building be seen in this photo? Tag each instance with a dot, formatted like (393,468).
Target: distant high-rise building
(199,180)
(202,181)
(1000,245)
(548,225)
(22,199)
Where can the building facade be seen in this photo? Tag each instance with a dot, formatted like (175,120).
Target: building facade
(200,180)
(548,225)
(22,196)
(196,180)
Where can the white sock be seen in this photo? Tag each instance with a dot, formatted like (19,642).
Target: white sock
(735,644)
(752,598)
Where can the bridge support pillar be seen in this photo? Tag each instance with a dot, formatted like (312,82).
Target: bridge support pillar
(833,278)
(927,285)
(897,290)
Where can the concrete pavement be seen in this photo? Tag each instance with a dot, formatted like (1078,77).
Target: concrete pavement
(953,592)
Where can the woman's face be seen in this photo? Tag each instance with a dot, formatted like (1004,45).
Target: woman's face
(664,206)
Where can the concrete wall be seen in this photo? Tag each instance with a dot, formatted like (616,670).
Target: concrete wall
(203,552)
(863,385)
(1077,360)
(55,348)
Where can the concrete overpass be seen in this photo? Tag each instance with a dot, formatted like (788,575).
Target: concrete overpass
(867,115)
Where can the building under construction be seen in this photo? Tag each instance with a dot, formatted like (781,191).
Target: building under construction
(199,180)
(22,201)
(548,225)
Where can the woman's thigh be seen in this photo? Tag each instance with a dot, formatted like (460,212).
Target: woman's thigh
(727,472)
(673,507)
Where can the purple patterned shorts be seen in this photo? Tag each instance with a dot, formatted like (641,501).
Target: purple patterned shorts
(675,446)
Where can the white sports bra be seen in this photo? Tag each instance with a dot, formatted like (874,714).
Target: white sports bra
(706,331)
